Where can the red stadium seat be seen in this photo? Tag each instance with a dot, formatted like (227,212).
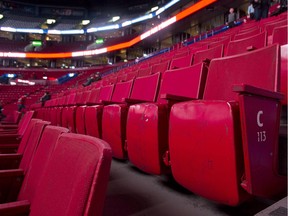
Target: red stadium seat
(208,137)
(68,113)
(147,123)
(215,52)
(247,34)
(80,113)
(247,44)
(161,67)
(181,62)
(92,121)
(270,27)
(115,115)
(79,180)
(280,35)
(16,136)
(24,156)
(45,148)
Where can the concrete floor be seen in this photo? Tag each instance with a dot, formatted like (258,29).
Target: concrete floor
(133,193)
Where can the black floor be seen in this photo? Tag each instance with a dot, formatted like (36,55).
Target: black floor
(132,192)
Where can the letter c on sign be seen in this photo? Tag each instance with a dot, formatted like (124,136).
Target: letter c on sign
(260,124)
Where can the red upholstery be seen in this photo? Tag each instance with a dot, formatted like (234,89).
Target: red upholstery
(144,71)
(180,62)
(79,179)
(280,35)
(115,115)
(68,113)
(11,161)
(206,135)
(39,162)
(215,52)
(161,67)
(244,45)
(147,123)
(8,148)
(270,27)
(247,34)
(80,113)
(92,122)
(18,131)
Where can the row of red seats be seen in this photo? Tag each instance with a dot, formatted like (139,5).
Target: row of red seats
(53,172)
(229,113)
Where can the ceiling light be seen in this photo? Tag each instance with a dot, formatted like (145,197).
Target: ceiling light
(50,21)
(85,22)
(115,18)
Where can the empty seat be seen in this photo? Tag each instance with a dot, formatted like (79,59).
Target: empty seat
(208,137)
(147,123)
(68,113)
(15,133)
(115,115)
(247,44)
(93,114)
(246,34)
(215,52)
(270,27)
(79,180)
(180,62)
(80,113)
(20,160)
(280,35)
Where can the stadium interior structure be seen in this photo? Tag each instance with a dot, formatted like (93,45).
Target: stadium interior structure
(188,115)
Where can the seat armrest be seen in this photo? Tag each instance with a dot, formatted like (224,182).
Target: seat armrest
(15,208)
(248,89)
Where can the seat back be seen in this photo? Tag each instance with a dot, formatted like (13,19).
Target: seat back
(105,93)
(211,53)
(223,41)
(39,161)
(78,97)
(32,144)
(145,88)
(280,35)
(180,62)
(26,136)
(93,98)
(71,99)
(247,34)
(186,82)
(270,27)
(259,116)
(62,101)
(144,71)
(121,91)
(243,68)
(161,67)
(246,44)
(24,122)
(79,179)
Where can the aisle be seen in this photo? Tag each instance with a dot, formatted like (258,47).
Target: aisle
(133,193)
